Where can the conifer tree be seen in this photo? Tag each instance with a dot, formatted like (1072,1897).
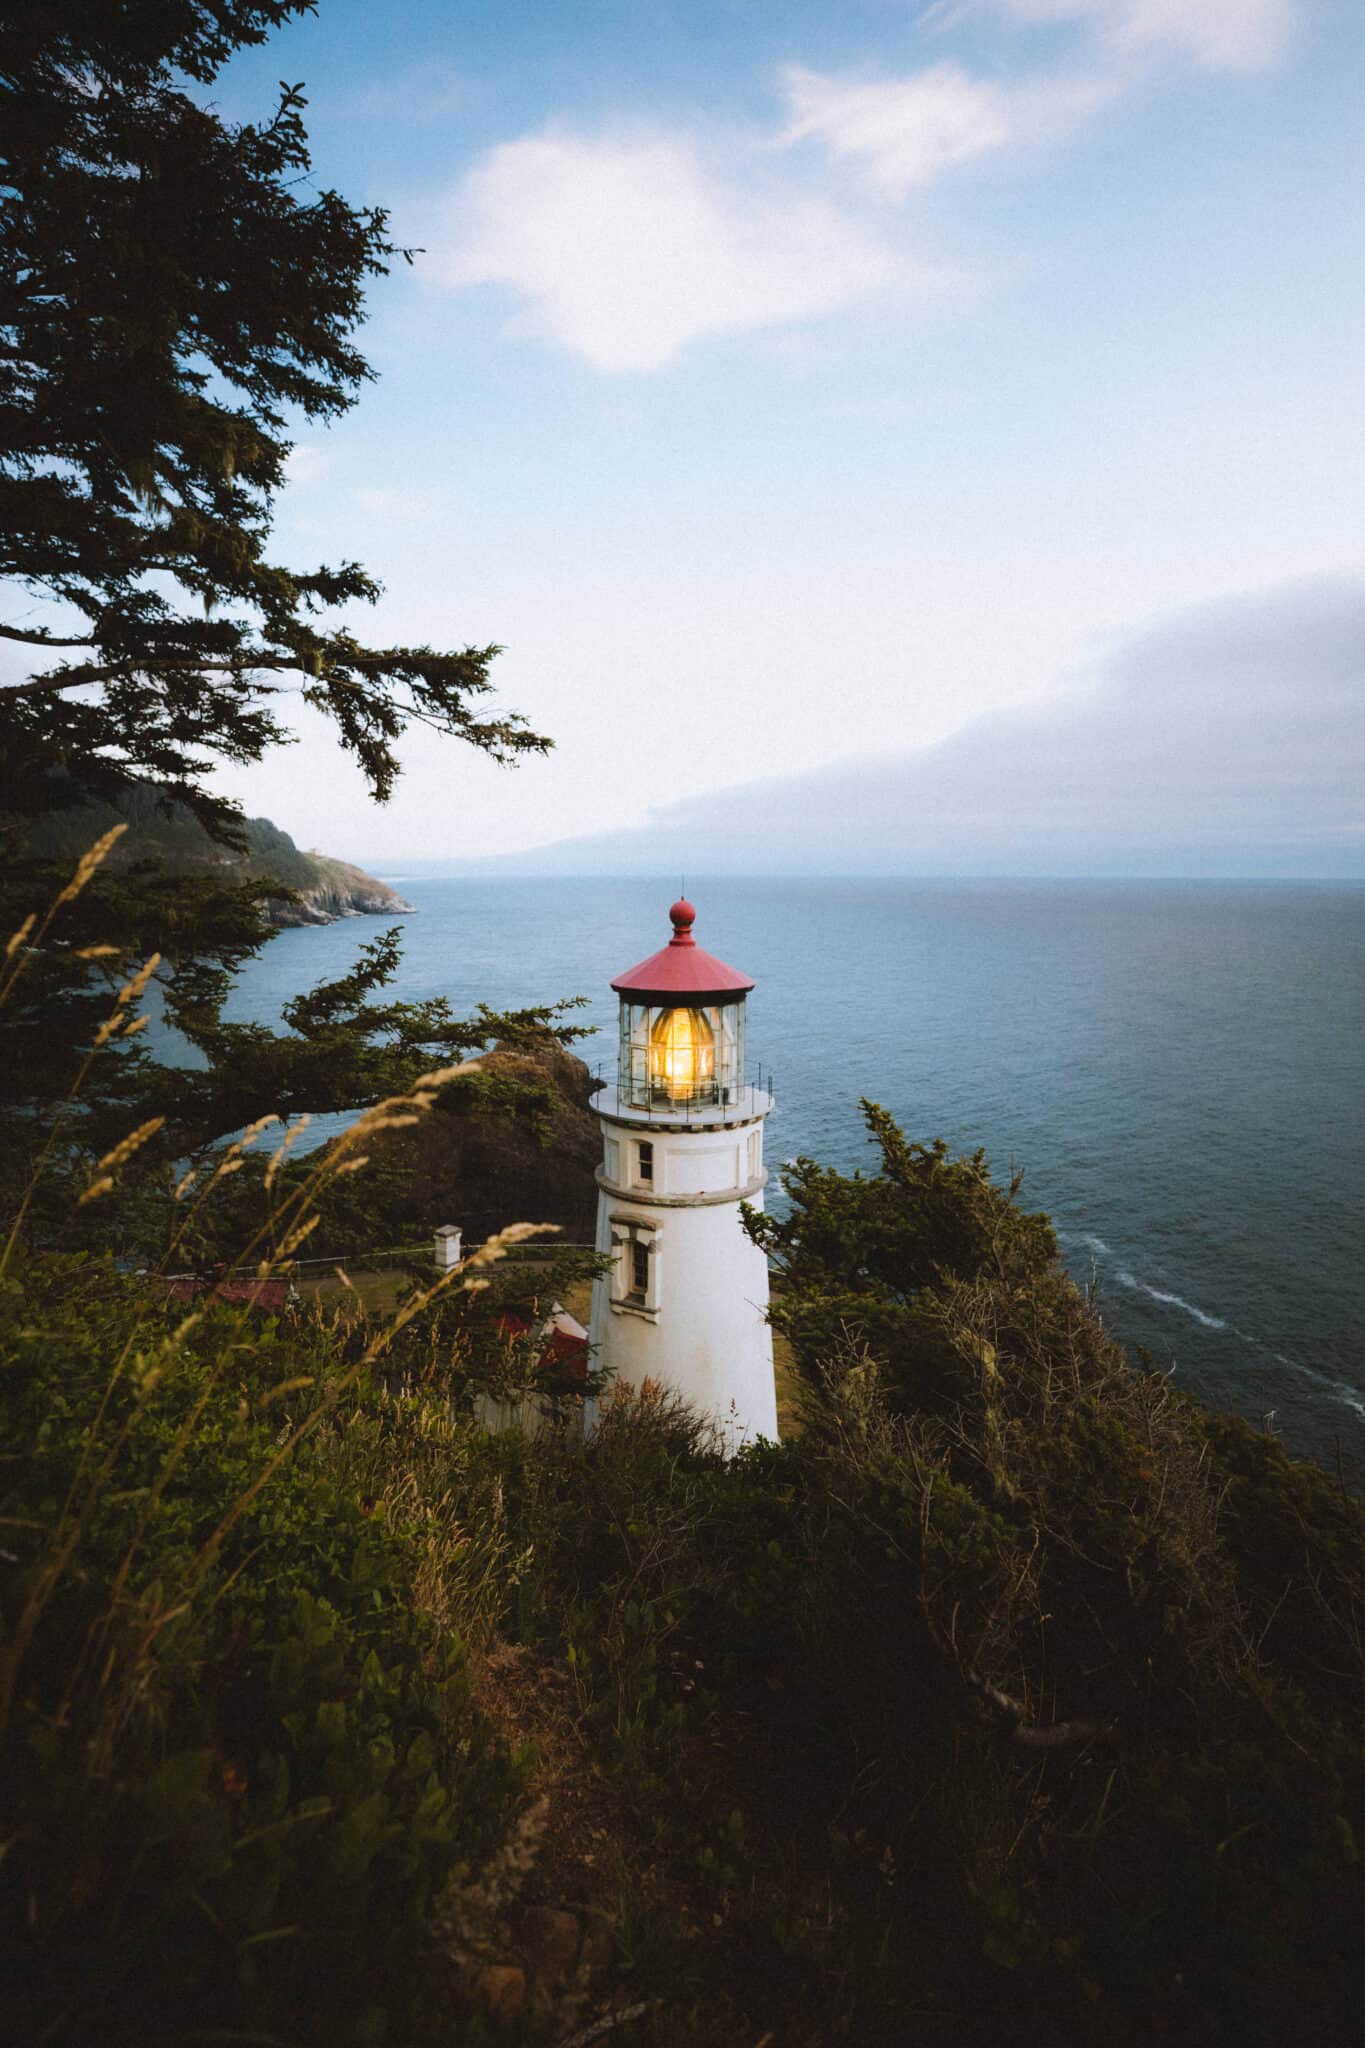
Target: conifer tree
(174,300)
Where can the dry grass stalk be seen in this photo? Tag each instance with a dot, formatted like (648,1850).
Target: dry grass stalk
(31,932)
(289,1226)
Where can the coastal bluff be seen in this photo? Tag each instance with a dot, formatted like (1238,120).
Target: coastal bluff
(322,888)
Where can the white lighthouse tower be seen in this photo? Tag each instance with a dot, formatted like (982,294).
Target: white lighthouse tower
(684,1302)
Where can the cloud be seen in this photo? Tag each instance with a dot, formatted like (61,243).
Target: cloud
(1221,35)
(907,132)
(307,463)
(396,503)
(627,249)
(1228,741)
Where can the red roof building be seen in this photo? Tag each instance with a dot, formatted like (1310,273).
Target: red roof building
(271,1295)
(563,1337)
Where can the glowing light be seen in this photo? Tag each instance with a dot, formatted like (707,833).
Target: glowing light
(682,1055)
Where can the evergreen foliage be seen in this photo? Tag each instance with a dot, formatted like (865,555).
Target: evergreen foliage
(81,1078)
(1016,1694)
(173,299)
(176,298)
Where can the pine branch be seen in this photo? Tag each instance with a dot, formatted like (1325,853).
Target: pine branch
(40,639)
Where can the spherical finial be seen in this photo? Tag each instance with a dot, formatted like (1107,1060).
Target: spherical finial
(684,917)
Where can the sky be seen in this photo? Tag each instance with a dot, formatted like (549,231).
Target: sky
(916,435)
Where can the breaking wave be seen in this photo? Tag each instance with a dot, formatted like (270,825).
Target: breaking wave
(1131,1281)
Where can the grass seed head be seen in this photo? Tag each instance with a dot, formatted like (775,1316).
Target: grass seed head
(126,1147)
(20,938)
(92,859)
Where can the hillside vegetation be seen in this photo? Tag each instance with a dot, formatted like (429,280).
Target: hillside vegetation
(1016,1696)
(320,888)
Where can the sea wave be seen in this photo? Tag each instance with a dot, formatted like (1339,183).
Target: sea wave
(1161,1294)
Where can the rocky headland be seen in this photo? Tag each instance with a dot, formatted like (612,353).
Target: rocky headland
(339,890)
(320,888)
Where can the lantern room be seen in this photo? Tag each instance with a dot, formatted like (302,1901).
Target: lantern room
(682,1027)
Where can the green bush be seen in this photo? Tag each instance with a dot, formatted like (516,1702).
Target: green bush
(238,1764)
(1016,1694)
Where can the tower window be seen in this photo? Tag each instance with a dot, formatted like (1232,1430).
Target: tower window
(646,1160)
(635,1271)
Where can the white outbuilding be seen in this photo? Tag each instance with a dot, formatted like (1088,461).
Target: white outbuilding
(684,1302)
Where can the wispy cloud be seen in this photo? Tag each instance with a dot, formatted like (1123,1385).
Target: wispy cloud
(626,248)
(1223,35)
(396,504)
(901,133)
(414,93)
(307,463)
(1228,741)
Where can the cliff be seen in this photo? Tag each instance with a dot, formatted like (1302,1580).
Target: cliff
(523,1141)
(340,890)
(325,888)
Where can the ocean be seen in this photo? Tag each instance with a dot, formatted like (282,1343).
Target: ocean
(1178,1067)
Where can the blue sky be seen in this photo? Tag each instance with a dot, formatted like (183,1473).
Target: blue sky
(788,384)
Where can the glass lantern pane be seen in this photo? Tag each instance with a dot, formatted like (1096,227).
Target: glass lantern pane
(682,1057)
(675,1054)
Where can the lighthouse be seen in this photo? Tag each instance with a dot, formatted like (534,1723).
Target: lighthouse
(684,1301)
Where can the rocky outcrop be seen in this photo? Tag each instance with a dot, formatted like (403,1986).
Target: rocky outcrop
(513,1140)
(339,891)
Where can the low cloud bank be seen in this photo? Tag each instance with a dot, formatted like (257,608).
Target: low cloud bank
(1230,741)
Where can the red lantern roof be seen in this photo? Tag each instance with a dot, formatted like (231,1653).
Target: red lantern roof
(681,969)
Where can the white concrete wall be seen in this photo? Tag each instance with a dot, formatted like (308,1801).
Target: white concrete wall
(701,1331)
(532,1415)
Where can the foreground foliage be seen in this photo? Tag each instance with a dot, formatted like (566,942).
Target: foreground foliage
(239,1758)
(74,1014)
(1015,1696)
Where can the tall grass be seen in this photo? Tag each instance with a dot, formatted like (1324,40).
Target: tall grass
(237,1752)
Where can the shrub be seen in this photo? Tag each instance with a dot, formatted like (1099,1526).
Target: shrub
(238,1762)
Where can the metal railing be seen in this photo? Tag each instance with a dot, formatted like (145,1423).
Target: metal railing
(701,1104)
